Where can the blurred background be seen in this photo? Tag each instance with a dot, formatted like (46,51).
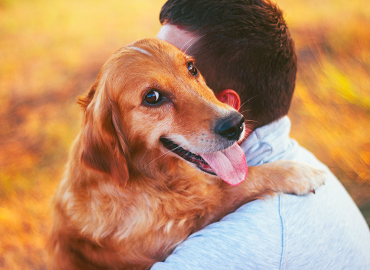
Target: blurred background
(51,52)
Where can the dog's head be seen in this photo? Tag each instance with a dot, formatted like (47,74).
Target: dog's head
(150,103)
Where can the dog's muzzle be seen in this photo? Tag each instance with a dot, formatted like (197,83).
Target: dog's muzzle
(230,127)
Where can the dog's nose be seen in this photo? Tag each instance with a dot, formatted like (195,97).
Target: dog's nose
(230,127)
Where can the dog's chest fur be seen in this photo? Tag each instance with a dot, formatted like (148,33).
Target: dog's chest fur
(141,222)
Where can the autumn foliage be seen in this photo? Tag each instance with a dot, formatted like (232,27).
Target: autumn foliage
(51,52)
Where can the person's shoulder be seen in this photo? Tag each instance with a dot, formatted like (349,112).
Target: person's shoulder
(256,219)
(324,230)
(249,237)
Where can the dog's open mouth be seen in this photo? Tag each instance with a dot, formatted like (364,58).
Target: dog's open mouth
(188,156)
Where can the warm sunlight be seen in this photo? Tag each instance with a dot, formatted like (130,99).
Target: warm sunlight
(51,52)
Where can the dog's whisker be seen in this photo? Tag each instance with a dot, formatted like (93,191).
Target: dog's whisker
(193,52)
(244,111)
(200,37)
(251,121)
(169,151)
(187,43)
(247,101)
(141,160)
(196,40)
(191,41)
(158,158)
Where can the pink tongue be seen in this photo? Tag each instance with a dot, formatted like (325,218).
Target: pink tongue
(228,164)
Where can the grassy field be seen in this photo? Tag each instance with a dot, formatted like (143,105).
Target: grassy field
(51,51)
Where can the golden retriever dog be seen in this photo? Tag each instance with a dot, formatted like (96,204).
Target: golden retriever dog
(157,158)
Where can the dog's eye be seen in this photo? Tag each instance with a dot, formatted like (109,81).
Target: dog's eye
(153,97)
(192,69)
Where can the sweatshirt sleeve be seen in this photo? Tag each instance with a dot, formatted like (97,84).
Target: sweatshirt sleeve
(250,238)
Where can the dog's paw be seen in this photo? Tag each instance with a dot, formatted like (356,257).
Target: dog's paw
(302,178)
(313,179)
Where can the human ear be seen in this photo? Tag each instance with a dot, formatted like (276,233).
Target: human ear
(229,97)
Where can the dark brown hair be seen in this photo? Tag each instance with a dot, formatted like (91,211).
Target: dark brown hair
(244,45)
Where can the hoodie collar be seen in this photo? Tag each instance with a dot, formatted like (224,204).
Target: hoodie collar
(269,143)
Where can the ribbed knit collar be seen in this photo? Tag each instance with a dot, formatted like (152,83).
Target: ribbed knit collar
(269,143)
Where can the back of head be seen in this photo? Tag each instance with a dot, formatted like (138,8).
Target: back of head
(243,45)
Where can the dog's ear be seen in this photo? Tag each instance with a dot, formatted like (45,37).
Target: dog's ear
(84,101)
(103,146)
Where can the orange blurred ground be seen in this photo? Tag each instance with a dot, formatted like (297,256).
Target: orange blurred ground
(51,51)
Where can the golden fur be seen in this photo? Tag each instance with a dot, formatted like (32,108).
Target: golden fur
(126,201)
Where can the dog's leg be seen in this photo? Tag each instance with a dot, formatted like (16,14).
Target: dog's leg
(281,176)
(284,176)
